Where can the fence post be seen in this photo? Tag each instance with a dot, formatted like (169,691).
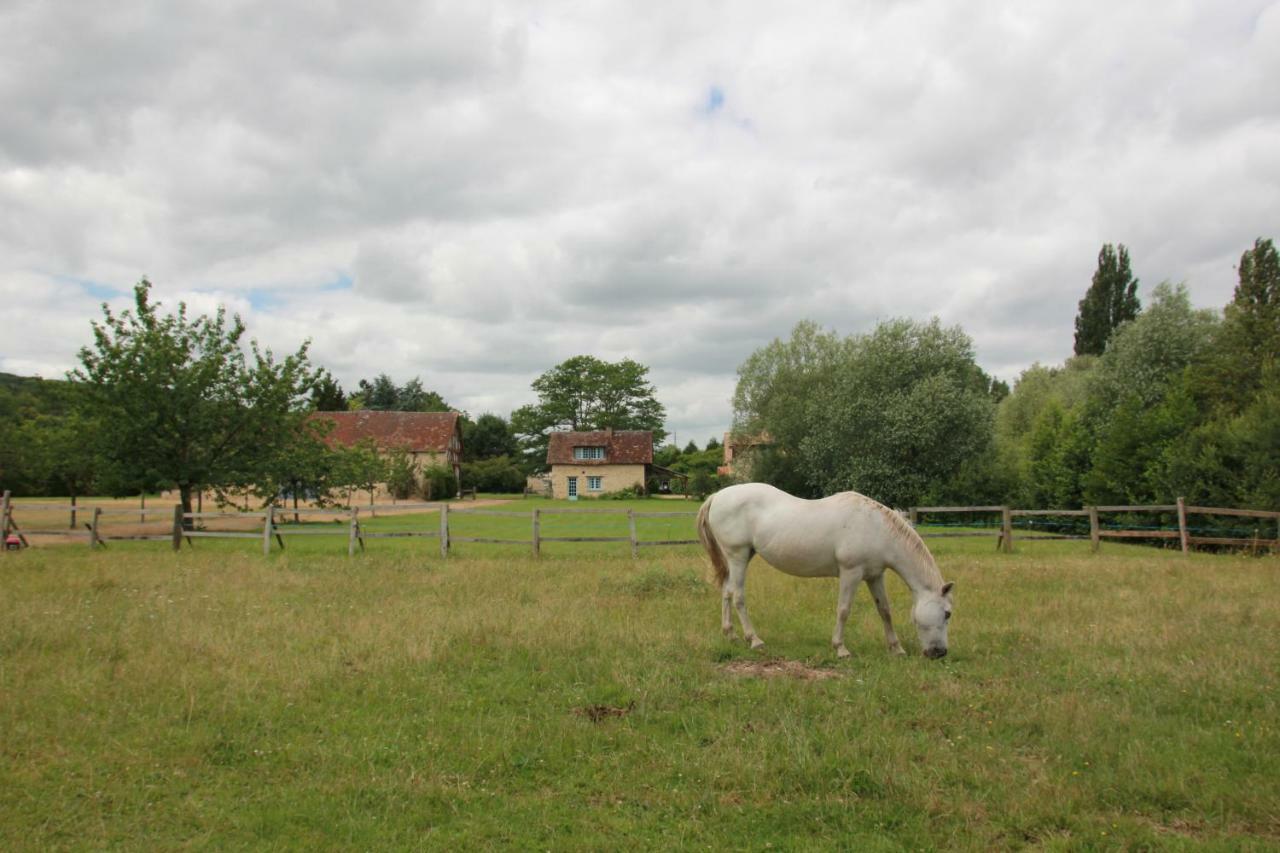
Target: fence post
(177,527)
(351,534)
(93,528)
(444,530)
(914,516)
(266,531)
(537,533)
(631,526)
(1006,528)
(142,516)
(1182,525)
(73,512)
(4,521)
(1095,532)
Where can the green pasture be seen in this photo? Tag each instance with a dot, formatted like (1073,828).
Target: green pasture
(213,698)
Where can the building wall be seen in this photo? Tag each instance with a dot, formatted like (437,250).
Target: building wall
(613,478)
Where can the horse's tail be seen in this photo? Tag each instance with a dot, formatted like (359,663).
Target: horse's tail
(710,544)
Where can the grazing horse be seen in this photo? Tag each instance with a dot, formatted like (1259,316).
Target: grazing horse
(846,535)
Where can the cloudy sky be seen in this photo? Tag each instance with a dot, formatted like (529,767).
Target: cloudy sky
(471,192)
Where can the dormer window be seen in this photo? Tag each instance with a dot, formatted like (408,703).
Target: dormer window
(588,453)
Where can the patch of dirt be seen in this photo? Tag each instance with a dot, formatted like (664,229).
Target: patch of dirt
(596,713)
(776,667)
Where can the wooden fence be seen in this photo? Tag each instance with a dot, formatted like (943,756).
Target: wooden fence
(1097,532)
(264,526)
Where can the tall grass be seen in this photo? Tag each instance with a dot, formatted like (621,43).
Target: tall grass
(214,698)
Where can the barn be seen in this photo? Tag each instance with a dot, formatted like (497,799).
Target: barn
(430,438)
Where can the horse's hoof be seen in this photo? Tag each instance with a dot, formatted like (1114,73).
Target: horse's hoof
(843,653)
(756,643)
(898,651)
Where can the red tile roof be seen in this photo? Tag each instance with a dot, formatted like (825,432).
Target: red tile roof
(427,432)
(621,447)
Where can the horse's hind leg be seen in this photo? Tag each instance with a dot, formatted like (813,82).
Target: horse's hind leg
(735,589)
(726,609)
(876,585)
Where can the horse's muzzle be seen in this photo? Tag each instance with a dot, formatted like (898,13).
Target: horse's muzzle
(935,652)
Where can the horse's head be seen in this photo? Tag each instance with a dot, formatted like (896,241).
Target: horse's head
(931,613)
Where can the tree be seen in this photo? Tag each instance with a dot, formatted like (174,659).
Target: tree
(1248,343)
(893,414)
(382,394)
(1112,300)
(402,476)
(180,404)
(487,437)
(327,395)
(360,467)
(494,474)
(585,393)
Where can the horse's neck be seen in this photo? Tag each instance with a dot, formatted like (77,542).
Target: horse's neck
(918,571)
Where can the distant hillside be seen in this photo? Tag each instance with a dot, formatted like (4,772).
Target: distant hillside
(24,397)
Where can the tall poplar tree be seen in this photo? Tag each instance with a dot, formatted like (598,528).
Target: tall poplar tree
(1112,300)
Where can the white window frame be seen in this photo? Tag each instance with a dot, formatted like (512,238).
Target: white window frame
(595,484)
(588,453)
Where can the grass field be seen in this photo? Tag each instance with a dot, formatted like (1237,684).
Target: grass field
(214,698)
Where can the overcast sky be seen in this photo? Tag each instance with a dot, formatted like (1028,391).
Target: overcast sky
(472,192)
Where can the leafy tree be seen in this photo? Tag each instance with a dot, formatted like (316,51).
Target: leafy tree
(304,469)
(585,393)
(691,447)
(776,386)
(487,437)
(438,483)
(1038,437)
(893,414)
(180,404)
(1112,300)
(327,394)
(713,443)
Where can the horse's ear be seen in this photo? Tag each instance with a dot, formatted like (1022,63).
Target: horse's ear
(947,587)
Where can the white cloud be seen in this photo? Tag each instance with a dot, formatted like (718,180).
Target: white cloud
(471,192)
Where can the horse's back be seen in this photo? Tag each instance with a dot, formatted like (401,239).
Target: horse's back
(807,537)
(792,534)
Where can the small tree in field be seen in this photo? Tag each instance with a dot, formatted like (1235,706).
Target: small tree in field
(402,476)
(361,467)
(180,403)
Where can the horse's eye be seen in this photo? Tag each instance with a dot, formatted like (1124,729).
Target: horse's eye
(947,615)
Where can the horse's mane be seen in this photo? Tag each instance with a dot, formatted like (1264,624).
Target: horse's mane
(906,534)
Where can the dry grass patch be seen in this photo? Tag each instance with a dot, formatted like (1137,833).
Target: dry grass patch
(779,667)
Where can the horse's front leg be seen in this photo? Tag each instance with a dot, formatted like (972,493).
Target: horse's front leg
(849,578)
(876,585)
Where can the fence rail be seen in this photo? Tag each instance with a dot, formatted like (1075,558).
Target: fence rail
(273,524)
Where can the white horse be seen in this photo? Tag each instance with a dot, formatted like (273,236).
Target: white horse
(846,535)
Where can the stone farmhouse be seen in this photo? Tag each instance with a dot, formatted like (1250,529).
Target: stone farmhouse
(739,454)
(430,438)
(588,464)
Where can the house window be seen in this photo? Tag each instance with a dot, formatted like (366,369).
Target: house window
(595,484)
(588,453)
